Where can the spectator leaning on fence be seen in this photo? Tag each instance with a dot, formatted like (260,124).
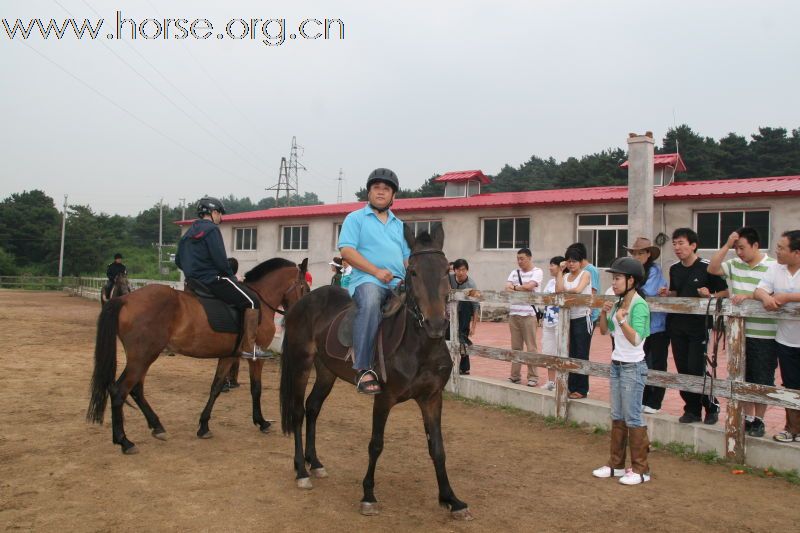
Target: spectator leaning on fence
(629,323)
(522,318)
(689,277)
(656,346)
(550,322)
(743,274)
(781,285)
(577,281)
(467,311)
(594,273)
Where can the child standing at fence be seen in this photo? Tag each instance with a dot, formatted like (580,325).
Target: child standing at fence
(577,281)
(550,323)
(629,322)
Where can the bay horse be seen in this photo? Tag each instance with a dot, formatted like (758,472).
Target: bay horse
(119,287)
(157,318)
(418,369)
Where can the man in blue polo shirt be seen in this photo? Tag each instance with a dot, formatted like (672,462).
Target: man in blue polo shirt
(372,242)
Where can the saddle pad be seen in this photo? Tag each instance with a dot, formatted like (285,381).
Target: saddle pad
(222,317)
(339,339)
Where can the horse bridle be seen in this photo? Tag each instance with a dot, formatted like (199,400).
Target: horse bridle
(411,302)
(294,286)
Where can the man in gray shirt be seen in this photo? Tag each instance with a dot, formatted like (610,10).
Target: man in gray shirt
(467,311)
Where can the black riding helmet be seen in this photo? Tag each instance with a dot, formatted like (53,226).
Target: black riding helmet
(386,176)
(208,204)
(629,267)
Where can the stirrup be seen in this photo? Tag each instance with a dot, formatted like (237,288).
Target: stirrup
(361,385)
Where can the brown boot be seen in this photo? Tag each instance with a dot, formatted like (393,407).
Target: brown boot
(640,447)
(248,347)
(619,445)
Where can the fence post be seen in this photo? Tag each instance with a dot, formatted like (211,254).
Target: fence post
(561,391)
(454,342)
(734,426)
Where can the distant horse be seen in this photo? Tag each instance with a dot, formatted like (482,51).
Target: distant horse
(418,369)
(119,287)
(157,317)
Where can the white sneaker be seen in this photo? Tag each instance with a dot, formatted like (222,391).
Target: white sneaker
(605,471)
(649,410)
(632,478)
(549,386)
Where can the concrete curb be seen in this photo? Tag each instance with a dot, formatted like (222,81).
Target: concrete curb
(760,452)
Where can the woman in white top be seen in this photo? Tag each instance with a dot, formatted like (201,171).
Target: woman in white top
(572,278)
(550,322)
(629,322)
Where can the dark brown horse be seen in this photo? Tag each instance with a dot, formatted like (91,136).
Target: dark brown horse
(119,287)
(418,370)
(156,318)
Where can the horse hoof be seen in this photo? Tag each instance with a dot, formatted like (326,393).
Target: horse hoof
(263,427)
(462,514)
(206,435)
(133,450)
(319,473)
(369,508)
(304,483)
(160,435)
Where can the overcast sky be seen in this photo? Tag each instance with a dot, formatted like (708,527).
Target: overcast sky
(419,87)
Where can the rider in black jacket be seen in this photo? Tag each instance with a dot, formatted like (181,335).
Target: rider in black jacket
(201,255)
(114,269)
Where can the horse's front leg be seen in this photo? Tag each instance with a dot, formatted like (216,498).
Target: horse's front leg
(431,408)
(380,414)
(255,391)
(223,368)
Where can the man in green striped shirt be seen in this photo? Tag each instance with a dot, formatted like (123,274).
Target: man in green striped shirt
(743,274)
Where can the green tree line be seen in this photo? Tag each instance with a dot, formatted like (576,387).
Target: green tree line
(30,235)
(769,152)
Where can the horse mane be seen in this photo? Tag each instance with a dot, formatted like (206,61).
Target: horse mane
(268,266)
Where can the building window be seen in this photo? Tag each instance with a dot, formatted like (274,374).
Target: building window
(506,233)
(295,238)
(245,239)
(473,187)
(605,237)
(423,225)
(713,227)
(455,189)
(337,230)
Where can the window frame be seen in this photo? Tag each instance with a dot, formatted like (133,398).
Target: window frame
(414,225)
(721,239)
(517,244)
(292,226)
(253,238)
(621,243)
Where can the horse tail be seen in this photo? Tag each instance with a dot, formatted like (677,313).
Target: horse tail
(287,392)
(105,359)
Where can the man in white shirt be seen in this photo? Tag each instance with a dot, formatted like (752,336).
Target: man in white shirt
(522,318)
(779,286)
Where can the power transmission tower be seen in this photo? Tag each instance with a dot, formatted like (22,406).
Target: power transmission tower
(294,166)
(284,184)
(339,191)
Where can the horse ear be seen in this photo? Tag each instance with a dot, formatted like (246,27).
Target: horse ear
(304,265)
(438,236)
(408,233)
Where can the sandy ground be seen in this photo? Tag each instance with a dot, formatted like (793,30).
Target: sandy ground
(59,473)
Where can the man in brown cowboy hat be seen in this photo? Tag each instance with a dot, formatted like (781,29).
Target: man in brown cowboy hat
(656,346)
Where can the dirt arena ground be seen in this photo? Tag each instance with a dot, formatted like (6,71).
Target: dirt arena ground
(59,473)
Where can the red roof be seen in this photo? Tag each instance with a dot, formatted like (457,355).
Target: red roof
(665,160)
(733,188)
(464,175)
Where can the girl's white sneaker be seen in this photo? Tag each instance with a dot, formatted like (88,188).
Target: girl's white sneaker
(606,471)
(632,478)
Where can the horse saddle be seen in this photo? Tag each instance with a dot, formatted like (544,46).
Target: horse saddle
(222,317)
(339,340)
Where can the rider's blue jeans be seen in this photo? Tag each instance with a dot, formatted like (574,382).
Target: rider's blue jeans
(369,299)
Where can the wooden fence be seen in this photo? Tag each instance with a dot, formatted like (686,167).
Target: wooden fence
(79,286)
(734,389)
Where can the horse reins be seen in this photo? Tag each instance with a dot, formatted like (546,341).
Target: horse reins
(411,301)
(293,286)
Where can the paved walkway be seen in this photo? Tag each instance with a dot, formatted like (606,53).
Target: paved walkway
(497,335)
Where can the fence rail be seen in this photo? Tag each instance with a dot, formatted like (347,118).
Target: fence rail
(88,287)
(734,388)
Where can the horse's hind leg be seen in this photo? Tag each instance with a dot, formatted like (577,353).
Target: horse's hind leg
(256,368)
(431,408)
(158,431)
(380,414)
(322,388)
(223,368)
(132,375)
